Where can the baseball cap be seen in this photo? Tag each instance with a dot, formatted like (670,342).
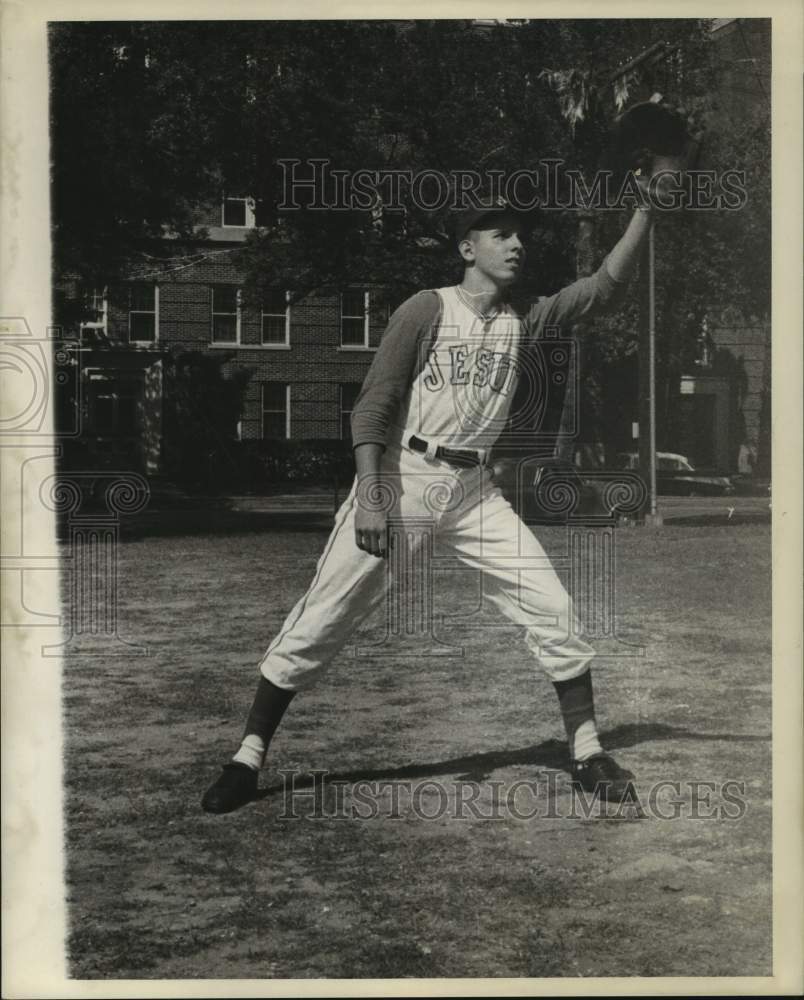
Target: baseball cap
(469,217)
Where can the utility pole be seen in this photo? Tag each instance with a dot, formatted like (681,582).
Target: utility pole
(647,333)
(647,377)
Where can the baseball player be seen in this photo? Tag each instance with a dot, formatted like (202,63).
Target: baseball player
(433,403)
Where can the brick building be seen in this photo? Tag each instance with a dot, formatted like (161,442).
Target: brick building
(303,362)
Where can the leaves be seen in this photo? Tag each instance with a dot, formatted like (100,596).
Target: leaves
(622,88)
(572,87)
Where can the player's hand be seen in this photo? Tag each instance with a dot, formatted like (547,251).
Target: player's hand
(662,182)
(371,532)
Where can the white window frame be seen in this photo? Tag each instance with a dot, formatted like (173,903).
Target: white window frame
(366,323)
(263,410)
(103,323)
(263,314)
(250,217)
(144,312)
(237,314)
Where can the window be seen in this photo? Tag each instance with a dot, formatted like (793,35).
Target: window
(96,308)
(275,410)
(238,213)
(276,318)
(355,318)
(143,314)
(671,463)
(349,394)
(225,314)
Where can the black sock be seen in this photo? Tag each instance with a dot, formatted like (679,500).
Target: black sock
(267,709)
(270,704)
(577,702)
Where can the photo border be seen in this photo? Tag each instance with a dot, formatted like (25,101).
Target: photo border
(33,887)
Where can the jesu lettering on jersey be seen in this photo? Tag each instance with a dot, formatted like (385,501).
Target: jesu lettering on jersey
(469,365)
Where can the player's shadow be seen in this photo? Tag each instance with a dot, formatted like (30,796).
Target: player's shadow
(479,766)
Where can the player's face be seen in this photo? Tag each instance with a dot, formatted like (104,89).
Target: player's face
(496,251)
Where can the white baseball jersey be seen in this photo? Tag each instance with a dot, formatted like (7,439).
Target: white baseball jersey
(461,396)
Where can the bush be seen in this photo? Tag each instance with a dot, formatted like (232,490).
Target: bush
(255,465)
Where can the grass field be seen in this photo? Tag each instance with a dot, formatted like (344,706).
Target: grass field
(158,889)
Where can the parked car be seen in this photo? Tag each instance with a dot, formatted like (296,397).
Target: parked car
(676,476)
(751,486)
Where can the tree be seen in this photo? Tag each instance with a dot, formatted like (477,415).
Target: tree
(709,263)
(152,118)
(130,138)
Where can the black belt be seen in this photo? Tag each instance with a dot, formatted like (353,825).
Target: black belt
(455,456)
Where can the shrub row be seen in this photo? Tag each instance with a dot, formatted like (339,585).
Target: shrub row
(261,464)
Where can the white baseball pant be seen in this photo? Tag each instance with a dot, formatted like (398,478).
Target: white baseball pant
(472,521)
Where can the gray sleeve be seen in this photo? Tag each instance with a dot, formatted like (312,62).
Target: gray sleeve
(395,365)
(578,301)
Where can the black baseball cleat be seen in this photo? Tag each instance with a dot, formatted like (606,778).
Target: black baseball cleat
(236,786)
(602,772)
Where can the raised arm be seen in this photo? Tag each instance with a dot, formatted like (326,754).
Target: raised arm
(599,292)
(623,258)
